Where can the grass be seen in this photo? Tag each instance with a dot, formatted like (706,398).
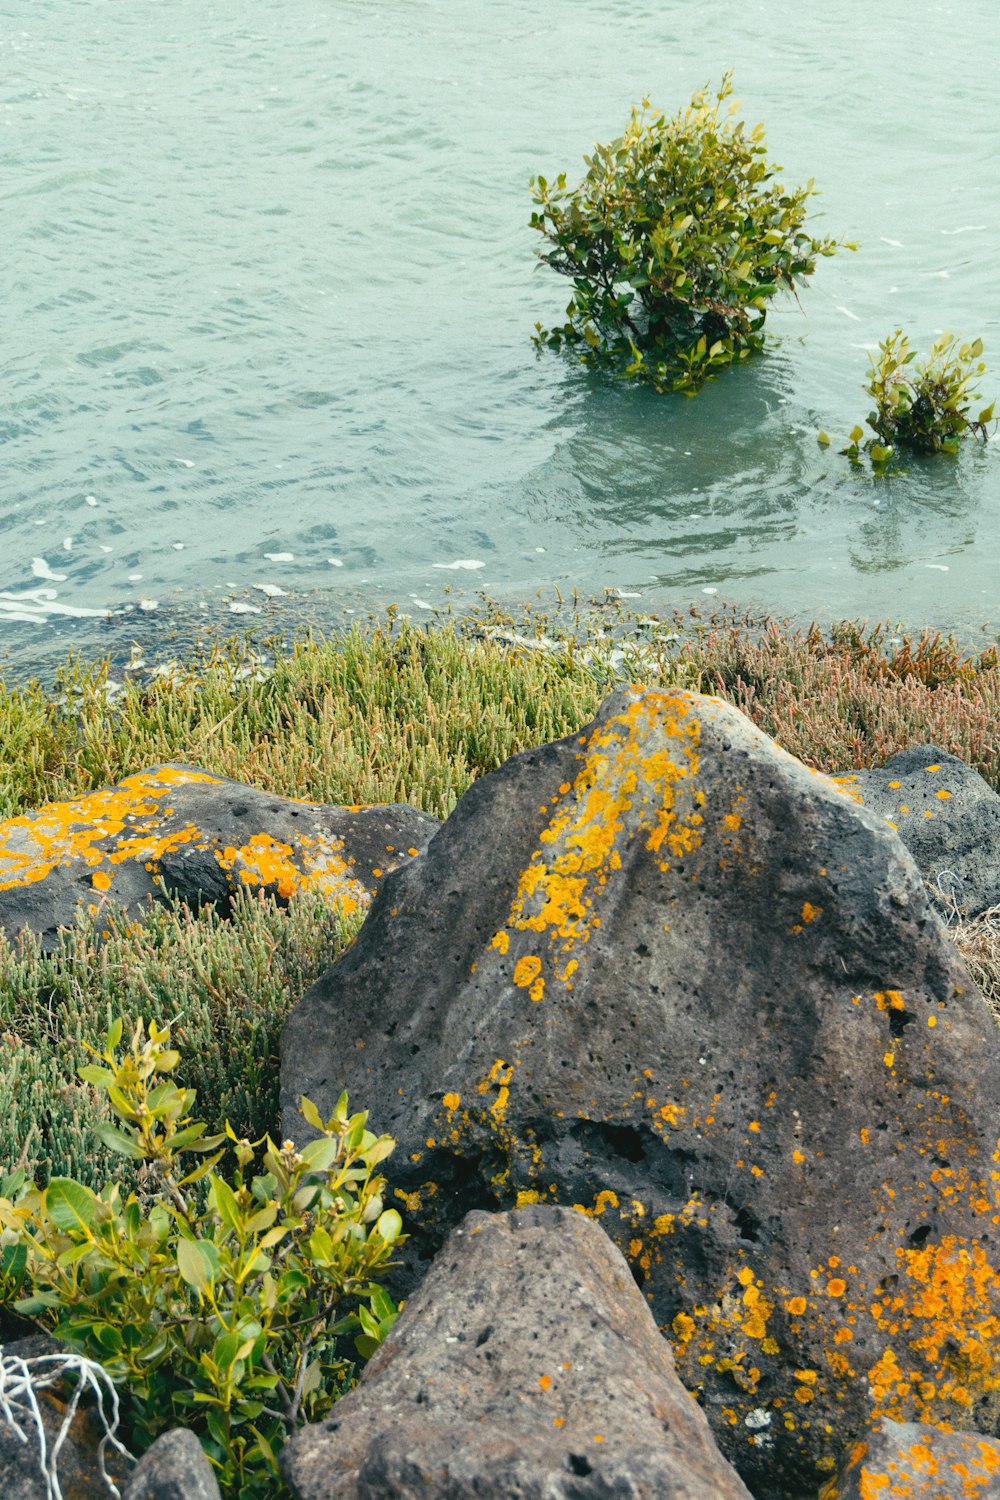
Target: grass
(226,985)
(390,714)
(979,943)
(856,695)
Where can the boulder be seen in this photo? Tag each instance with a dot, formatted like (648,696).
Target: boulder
(179,830)
(526,1364)
(946,815)
(174,1468)
(916,1462)
(662,971)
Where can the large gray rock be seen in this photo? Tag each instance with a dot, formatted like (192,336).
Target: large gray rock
(946,815)
(174,1468)
(911,1461)
(663,971)
(526,1364)
(199,837)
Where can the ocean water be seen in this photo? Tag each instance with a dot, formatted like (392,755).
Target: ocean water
(269,290)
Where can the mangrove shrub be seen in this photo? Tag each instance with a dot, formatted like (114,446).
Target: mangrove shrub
(218,1300)
(925,407)
(675,242)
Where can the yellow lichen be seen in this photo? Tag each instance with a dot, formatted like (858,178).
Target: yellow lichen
(526,970)
(626,789)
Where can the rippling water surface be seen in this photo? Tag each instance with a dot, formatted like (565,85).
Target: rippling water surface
(269,288)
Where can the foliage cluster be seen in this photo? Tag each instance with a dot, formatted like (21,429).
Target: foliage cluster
(220,1304)
(675,241)
(927,409)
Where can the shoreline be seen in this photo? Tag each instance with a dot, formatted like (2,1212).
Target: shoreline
(179,632)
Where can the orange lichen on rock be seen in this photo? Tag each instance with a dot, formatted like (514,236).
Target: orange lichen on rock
(34,844)
(942,1310)
(631,769)
(107,836)
(913,1463)
(319,864)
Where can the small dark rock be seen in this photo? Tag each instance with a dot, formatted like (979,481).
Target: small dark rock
(946,815)
(174,1468)
(527,1364)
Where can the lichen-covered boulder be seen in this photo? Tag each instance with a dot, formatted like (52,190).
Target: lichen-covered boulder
(526,1364)
(663,971)
(198,836)
(911,1461)
(946,815)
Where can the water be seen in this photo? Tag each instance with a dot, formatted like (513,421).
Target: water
(269,288)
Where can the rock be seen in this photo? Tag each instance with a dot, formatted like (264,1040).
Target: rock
(917,1462)
(78,1459)
(203,837)
(946,815)
(174,1468)
(663,971)
(526,1364)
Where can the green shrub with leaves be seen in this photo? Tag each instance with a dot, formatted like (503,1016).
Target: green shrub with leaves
(675,242)
(926,408)
(220,1303)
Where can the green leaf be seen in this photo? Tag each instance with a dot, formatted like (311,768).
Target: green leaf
(310,1113)
(120,1102)
(382,1305)
(94,1073)
(69,1204)
(224,1201)
(389,1226)
(13,1260)
(75,1253)
(378,1151)
(856,434)
(321,1245)
(320,1155)
(202,1169)
(879,454)
(113,1035)
(225,1349)
(118,1140)
(217,1423)
(195,1264)
(823,439)
(986,415)
(262,1219)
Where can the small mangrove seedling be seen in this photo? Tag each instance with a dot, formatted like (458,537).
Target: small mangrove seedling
(926,408)
(675,242)
(219,1300)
